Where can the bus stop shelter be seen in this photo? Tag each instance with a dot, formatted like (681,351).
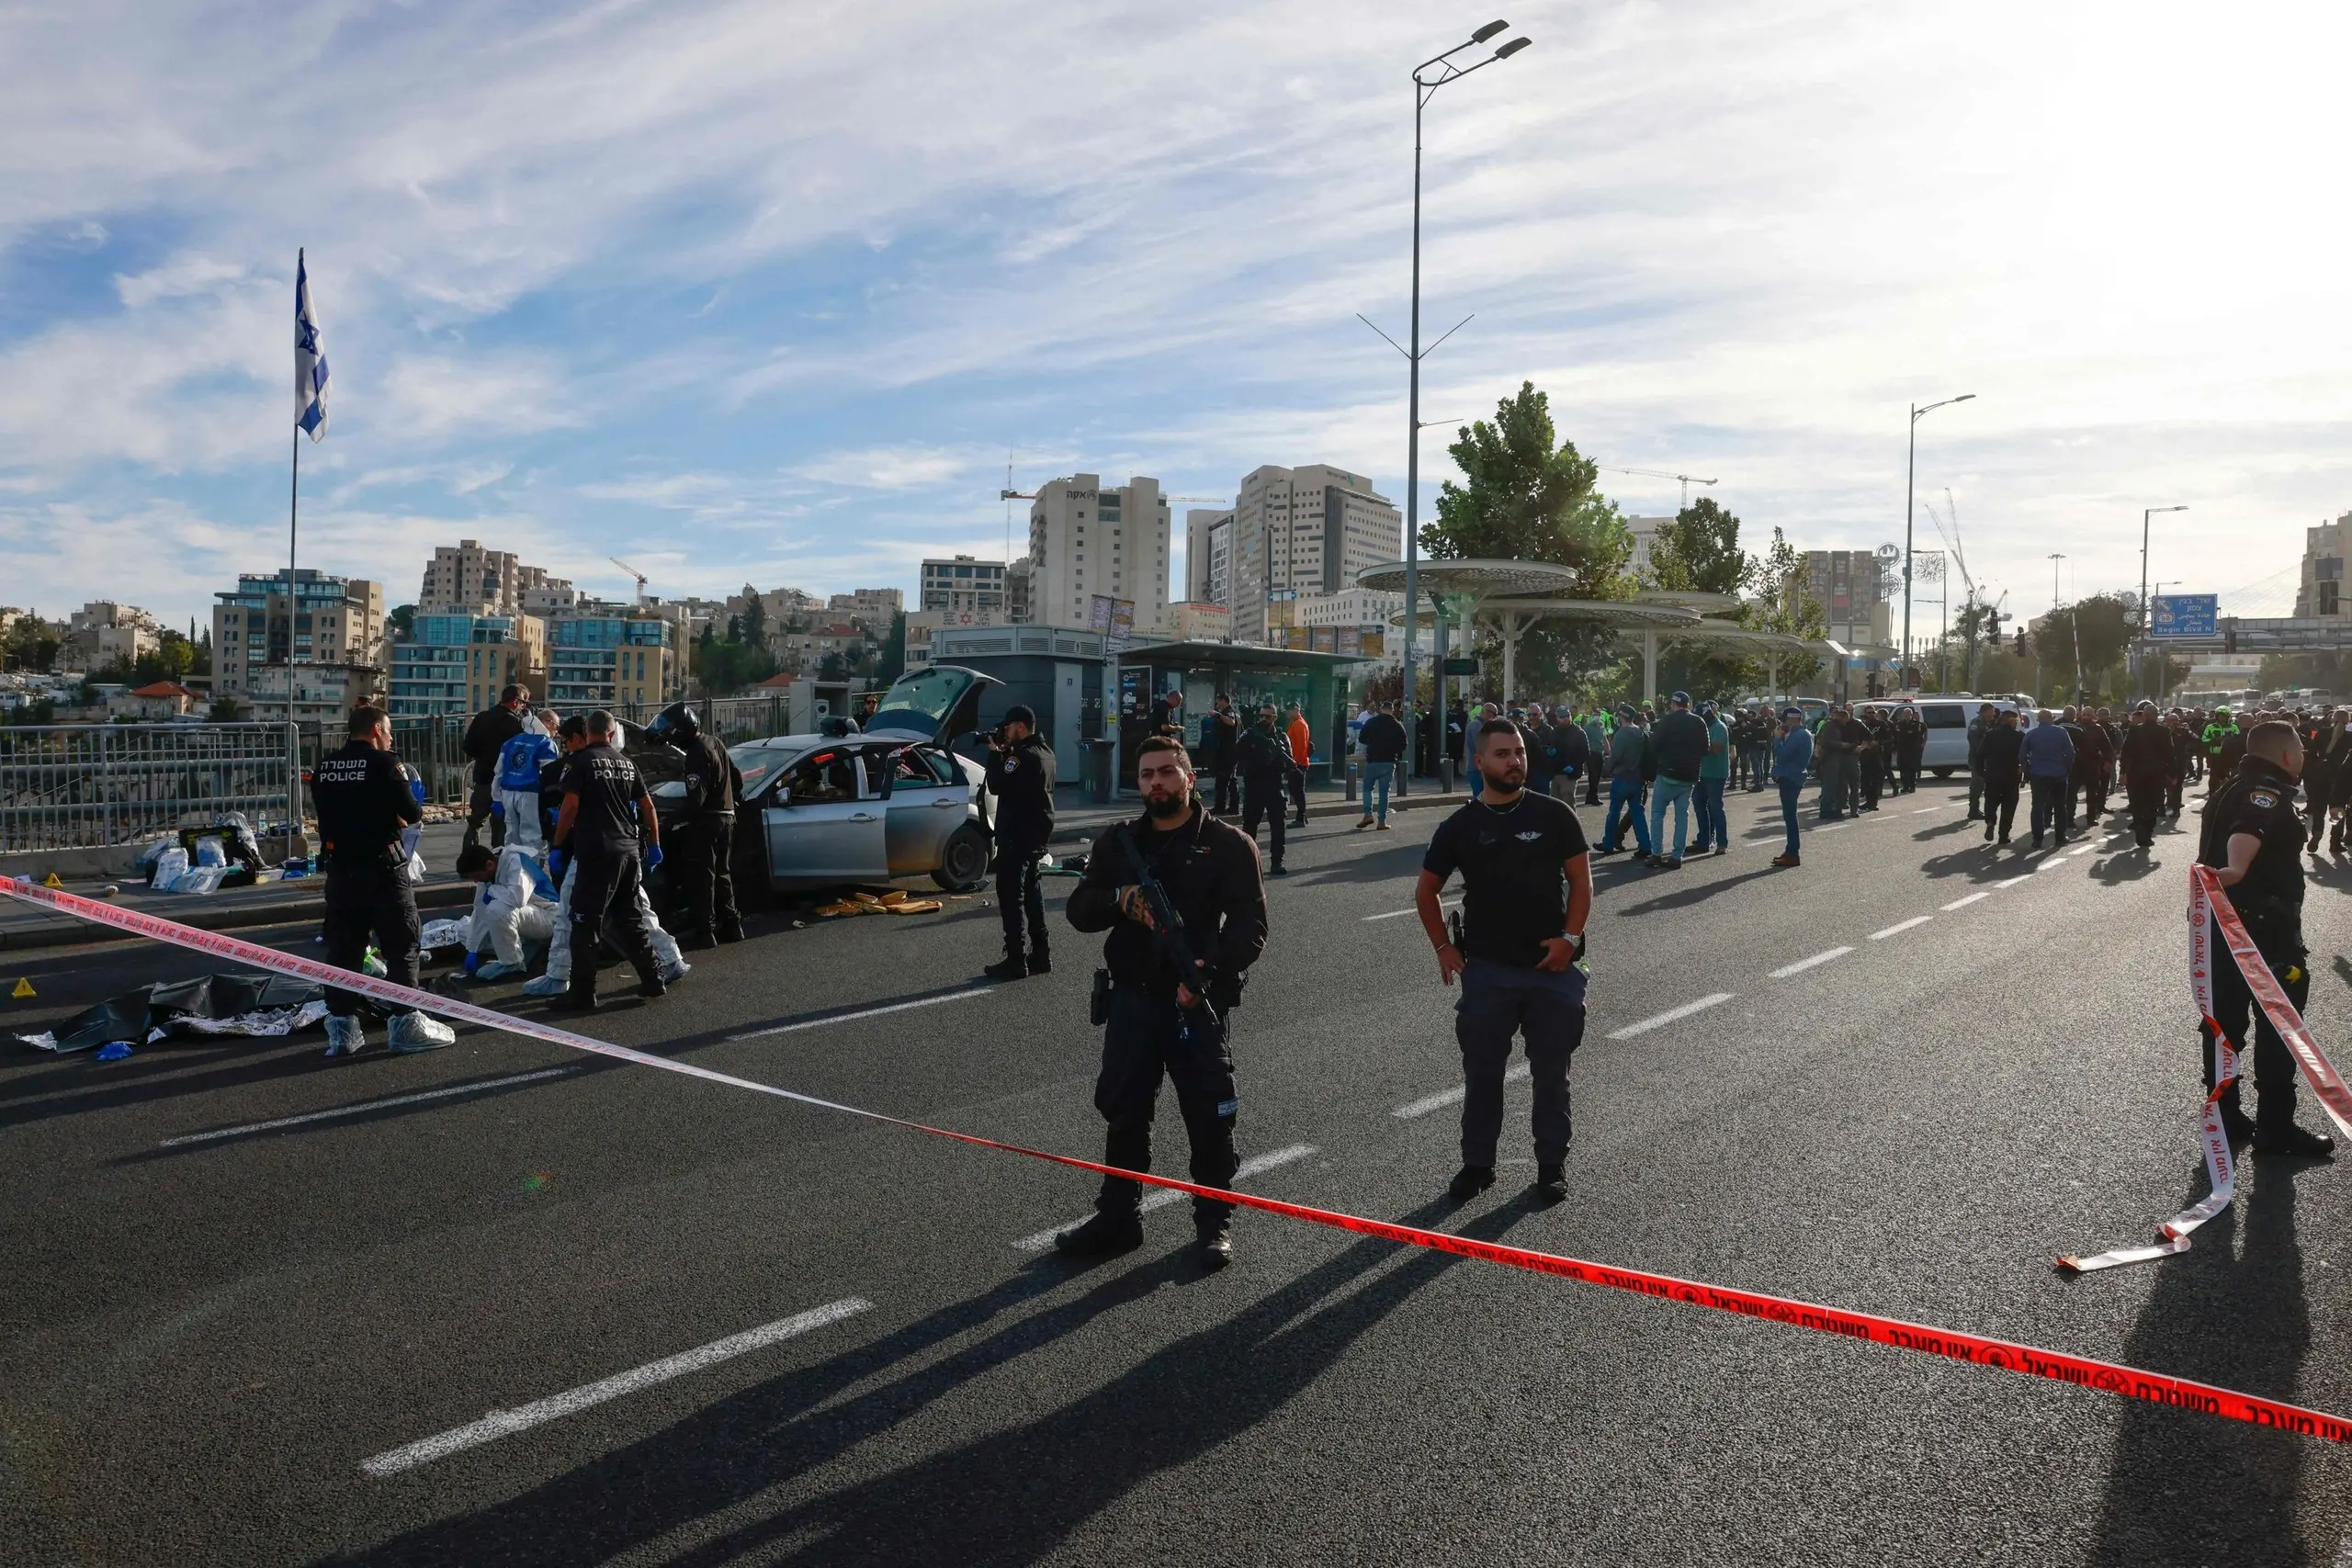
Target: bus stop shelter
(1316,683)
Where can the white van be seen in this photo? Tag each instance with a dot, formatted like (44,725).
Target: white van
(1946,752)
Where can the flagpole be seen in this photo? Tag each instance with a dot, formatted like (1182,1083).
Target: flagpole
(293,519)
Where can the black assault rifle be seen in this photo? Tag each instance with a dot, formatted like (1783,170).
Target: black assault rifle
(1169,939)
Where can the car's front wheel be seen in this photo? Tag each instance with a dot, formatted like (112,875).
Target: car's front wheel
(963,861)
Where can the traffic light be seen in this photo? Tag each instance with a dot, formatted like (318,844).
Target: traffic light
(2021,642)
(2230,638)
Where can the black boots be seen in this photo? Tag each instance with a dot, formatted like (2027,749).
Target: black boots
(1040,961)
(1214,1244)
(1469,1181)
(1552,1182)
(1011,967)
(1104,1235)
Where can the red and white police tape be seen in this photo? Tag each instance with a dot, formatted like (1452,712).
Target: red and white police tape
(2107,1376)
(2210,906)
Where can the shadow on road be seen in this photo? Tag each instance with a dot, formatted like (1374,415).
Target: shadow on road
(1696,894)
(2188,1488)
(1009,1497)
(2129,865)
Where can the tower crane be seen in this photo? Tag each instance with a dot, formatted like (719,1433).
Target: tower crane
(1950,536)
(1687,480)
(633,572)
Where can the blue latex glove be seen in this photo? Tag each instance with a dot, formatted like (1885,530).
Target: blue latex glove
(556,860)
(473,962)
(497,810)
(653,856)
(416,790)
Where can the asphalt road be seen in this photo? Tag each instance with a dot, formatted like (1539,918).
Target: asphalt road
(728,1329)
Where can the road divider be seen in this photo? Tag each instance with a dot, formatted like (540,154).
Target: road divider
(1920,1338)
(1901,926)
(1658,1021)
(1965,903)
(1446,1097)
(1801,965)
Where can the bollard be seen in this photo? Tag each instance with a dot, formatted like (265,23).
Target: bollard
(1352,781)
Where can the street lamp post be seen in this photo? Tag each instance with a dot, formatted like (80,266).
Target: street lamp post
(2144,622)
(1910,474)
(2164,671)
(1428,77)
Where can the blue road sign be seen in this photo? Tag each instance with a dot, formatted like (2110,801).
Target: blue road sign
(2186,614)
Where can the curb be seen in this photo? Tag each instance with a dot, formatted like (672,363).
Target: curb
(276,911)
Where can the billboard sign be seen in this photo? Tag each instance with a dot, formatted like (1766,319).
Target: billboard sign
(2186,614)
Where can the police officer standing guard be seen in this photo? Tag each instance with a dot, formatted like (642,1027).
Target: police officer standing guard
(1527,889)
(364,801)
(2254,839)
(1173,989)
(1021,776)
(606,814)
(701,852)
(1264,757)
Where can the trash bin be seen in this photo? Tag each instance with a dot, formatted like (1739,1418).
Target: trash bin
(1101,761)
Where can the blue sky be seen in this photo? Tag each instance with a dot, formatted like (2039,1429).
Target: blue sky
(753,291)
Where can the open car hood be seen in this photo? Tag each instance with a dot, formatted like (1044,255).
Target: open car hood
(939,702)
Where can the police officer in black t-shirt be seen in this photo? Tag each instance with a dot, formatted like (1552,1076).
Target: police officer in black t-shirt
(1157,981)
(2254,839)
(1527,889)
(364,800)
(606,814)
(700,855)
(1021,775)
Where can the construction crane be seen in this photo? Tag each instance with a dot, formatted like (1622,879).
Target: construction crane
(1950,536)
(1687,480)
(633,572)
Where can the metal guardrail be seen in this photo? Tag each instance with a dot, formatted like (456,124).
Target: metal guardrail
(66,786)
(83,785)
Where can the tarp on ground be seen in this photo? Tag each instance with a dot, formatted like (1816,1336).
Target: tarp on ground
(210,1005)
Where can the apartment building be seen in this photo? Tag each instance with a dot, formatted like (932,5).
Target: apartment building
(967,591)
(311,653)
(458,663)
(1295,532)
(601,655)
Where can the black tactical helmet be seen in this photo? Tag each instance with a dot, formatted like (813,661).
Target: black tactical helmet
(676,723)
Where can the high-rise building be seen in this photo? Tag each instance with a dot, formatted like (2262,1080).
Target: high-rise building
(310,655)
(1208,555)
(1645,532)
(1088,539)
(1848,585)
(458,663)
(2320,593)
(1020,592)
(1302,531)
(464,579)
(969,592)
(103,632)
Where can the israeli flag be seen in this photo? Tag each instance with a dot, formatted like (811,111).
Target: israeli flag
(310,359)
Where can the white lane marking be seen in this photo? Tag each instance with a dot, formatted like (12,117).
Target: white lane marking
(1161,1197)
(2013,881)
(2056,859)
(1444,1098)
(1685,1010)
(1834,827)
(364,1107)
(1801,965)
(1926,810)
(1394,914)
(1900,927)
(1973,897)
(869,1012)
(506,1423)
(2084,850)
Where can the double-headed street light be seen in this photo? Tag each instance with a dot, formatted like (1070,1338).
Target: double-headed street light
(1428,77)
(2145,624)
(1910,473)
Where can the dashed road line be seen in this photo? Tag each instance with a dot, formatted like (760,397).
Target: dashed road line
(1973,897)
(2013,881)
(1926,810)
(365,1106)
(1900,927)
(1801,965)
(1669,1016)
(1394,914)
(1161,1197)
(1444,1098)
(866,1012)
(506,1423)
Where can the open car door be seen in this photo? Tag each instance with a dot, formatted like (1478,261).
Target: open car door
(825,822)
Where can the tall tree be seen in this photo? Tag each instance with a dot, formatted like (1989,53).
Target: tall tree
(755,618)
(1698,550)
(1527,494)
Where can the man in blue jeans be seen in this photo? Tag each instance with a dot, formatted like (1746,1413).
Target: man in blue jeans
(1382,741)
(2049,763)
(1681,746)
(1791,755)
(1628,744)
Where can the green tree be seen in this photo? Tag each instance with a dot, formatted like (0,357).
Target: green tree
(755,621)
(228,710)
(2082,645)
(1527,494)
(400,623)
(32,644)
(893,662)
(1698,551)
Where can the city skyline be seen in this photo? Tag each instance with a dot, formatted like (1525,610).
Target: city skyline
(589,291)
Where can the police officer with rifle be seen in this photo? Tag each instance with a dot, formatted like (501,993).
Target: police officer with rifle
(1180,894)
